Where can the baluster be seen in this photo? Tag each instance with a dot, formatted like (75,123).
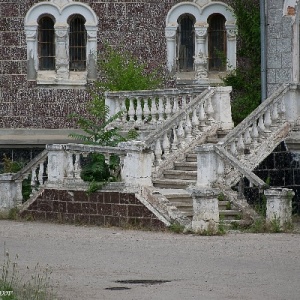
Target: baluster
(233,149)
(220,170)
(124,109)
(202,117)
(139,111)
(188,128)
(33,178)
(41,173)
(240,145)
(153,110)
(282,111)
(183,101)
(274,115)
(261,125)
(118,110)
(254,134)
(195,122)
(158,151)
(168,109)
(209,111)
(160,109)
(180,134)
(247,140)
(70,165)
(175,140)
(77,166)
(267,121)
(131,110)
(166,145)
(175,105)
(146,111)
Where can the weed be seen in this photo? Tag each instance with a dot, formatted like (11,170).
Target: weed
(274,225)
(176,227)
(228,206)
(235,225)
(13,213)
(221,197)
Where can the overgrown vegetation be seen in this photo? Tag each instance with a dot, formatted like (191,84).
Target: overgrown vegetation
(17,286)
(246,78)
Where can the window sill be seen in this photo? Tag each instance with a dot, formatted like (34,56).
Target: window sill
(52,78)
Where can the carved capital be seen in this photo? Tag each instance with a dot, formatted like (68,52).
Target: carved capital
(201,31)
(231,31)
(170,33)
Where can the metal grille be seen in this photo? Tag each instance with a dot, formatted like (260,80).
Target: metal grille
(46,44)
(77,44)
(217,43)
(187,43)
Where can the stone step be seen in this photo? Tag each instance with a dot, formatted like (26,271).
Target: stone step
(179,174)
(172,183)
(185,166)
(191,157)
(224,205)
(230,214)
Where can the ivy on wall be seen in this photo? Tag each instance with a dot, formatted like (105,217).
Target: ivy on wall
(246,78)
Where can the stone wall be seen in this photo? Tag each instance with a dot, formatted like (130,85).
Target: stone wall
(99,208)
(137,26)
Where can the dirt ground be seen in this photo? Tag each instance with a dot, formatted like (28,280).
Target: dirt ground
(107,263)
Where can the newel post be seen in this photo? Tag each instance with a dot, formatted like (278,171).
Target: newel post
(205,197)
(10,192)
(137,166)
(222,107)
(57,165)
(279,205)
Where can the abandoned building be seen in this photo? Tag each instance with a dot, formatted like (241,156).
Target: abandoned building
(189,152)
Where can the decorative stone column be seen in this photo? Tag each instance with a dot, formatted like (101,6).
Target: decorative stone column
(170,33)
(231,46)
(206,210)
(222,107)
(91,51)
(30,31)
(10,192)
(57,165)
(207,166)
(200,36)
(137,166)
(279,205)
(62,51)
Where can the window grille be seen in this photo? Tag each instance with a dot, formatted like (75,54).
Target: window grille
(77,44)
(187,43)
(46,44)
(217,43)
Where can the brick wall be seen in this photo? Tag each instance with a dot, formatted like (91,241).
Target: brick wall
(100,208)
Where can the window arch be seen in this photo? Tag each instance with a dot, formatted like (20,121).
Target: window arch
(77,43)
(217,50)
(186,42)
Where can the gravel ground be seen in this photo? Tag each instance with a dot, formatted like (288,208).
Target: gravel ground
(87,262)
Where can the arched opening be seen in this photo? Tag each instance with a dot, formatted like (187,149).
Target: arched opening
(77,43)
(217,40)
(186,43)
(46,43)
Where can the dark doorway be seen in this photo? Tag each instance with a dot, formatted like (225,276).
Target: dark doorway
(186,43)
(217,43)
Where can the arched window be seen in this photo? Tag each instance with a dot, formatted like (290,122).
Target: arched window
(186,42)
(46,43)
(217,43)
(77,43)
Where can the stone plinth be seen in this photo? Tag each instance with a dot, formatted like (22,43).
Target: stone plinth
(10,192)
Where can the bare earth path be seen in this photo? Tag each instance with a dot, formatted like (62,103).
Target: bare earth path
(88,260)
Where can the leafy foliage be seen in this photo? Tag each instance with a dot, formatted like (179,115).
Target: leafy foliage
(246,79)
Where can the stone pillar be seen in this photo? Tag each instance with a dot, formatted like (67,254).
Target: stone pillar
(170,33)
(200,36)
(222,107)
(206,210)
(207,166)
(30,31)
(10,192)
(137,168)
(231,46)
(91,51)
(57,165)
(62,51)
(291,103)
(279,205)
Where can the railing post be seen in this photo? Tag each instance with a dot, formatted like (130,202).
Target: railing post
(137,166)
(279,206)
(57,165)
(222,107)
(10,192)
(291,104)
(207,165)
